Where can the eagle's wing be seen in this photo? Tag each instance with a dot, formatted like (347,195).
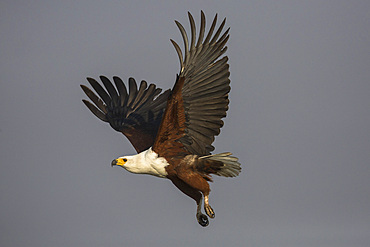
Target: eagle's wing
(199,99)
(137,113)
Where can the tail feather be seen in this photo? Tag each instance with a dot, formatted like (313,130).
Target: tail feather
(230,166)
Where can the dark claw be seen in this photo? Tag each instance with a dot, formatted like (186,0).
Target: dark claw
(203,220)
(209,211)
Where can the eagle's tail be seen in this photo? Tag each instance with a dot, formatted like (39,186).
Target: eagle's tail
(223,164)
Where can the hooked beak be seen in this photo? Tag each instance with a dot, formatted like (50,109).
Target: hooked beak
(118,162)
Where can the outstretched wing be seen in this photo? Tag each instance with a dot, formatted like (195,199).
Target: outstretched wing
(137,113)
(199,99)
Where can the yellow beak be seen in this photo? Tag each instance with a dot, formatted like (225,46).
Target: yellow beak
(118,162)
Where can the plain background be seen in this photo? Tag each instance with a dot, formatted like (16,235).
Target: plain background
(299,121)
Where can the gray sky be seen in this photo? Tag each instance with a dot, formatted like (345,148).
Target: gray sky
(299,121)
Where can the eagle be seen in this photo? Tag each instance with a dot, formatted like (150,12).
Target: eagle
(172,132)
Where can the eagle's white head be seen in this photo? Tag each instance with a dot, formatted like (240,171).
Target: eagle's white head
(130,162)
(146,162)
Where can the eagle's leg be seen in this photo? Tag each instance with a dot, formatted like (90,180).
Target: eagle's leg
(207,207)
(202,219)
(193,193)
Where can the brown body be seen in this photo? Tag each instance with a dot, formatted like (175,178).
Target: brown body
(188,170)
(185,177)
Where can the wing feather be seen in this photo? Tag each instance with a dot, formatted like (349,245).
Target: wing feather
(111,90)
(100,90)
(95,111)
(121,89)
(98,102)
(133,90)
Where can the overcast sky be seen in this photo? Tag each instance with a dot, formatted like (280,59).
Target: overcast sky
(299,121)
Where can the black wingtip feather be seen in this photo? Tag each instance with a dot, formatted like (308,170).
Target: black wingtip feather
(95,111)
(100,90)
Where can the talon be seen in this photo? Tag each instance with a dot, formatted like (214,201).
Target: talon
(202,220)
(209,211)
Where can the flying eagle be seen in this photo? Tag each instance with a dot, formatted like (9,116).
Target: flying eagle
(173,132)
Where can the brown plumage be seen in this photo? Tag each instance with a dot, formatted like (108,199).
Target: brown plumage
(173,132)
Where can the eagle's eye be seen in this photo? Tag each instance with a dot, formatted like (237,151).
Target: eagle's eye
(125,160)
